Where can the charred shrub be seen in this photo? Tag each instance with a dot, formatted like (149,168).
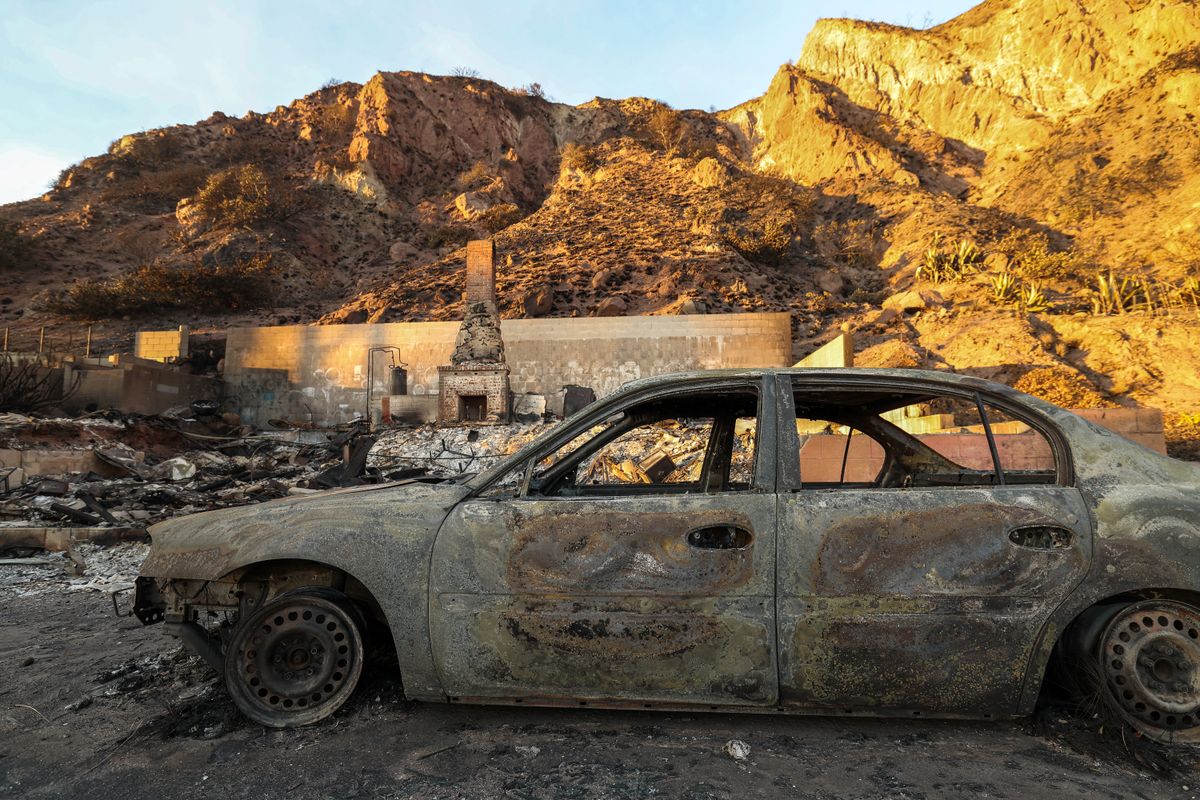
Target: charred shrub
(499,217)
(16,250)
(238,197)
(28,386)
(211,288)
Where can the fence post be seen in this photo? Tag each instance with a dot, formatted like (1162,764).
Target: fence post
(41,339)
(6,340)
(87,349)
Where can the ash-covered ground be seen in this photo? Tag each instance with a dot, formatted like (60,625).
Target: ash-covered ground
(92,705)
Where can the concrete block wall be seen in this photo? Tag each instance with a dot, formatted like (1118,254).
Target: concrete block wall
(318,373)
(1142,425)
(137,389)
(161,345)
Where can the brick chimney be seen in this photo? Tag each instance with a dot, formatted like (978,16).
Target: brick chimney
(473,387)
(481,274)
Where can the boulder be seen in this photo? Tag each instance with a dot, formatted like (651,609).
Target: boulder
(710,173)
(831,282)
(188,217)
(538,302)
(610,307)
(471,204)
(401,251)
(601,278)
(692,306)
(914,300)
(996,262)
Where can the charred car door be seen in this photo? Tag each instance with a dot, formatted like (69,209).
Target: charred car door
(632,561)
(925,539)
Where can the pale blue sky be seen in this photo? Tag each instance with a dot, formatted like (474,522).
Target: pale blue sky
(76,75)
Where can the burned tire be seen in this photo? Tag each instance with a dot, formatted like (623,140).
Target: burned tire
(296,660)
(1150,659)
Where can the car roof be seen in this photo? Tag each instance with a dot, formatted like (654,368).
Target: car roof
(852,373)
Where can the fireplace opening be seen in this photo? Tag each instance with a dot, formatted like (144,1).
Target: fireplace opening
(472,407)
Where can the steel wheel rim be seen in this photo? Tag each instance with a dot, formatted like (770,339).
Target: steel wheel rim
(295,661)
(1151,660)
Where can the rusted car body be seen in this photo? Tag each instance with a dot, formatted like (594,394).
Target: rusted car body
(923,588)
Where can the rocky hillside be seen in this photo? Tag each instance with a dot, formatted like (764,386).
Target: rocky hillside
(1028,168)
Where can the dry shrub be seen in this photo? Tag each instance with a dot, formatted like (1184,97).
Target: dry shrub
(1183,436)
(206,288)
(479,174)
(853,243)
(148,150)
(499,217)
(1032,257)
(238,197)
(337,118)
(1063,387)
(530,90)
(666,128)
(578,156)
(16,250)
(771,213)
(157,192)
(139,245)
(435,236)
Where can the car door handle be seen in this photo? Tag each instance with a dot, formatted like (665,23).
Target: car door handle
(720,537)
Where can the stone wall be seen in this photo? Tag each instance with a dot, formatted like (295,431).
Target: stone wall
(318,373)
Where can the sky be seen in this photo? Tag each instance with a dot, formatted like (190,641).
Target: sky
(76,75)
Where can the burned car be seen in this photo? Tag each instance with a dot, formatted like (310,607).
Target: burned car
(880,542)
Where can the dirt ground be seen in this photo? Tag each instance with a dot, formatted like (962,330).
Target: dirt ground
(100,707)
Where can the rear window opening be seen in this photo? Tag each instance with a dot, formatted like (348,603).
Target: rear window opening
(888,439)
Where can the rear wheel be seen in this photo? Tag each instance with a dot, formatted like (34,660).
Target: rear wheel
(296,660)
(1150,658)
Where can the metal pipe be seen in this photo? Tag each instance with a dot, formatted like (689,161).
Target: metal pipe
(199,641)
(394,354)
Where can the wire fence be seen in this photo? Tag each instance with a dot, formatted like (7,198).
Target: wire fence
(49,342)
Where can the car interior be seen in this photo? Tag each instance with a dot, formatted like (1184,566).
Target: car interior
(904,459)
(700,442)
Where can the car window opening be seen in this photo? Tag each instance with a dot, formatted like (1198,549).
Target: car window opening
(914,440)
(703,442)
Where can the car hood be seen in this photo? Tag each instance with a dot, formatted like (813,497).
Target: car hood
(319,527)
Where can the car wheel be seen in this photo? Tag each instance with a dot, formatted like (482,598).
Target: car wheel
(1150,658)
(296,660)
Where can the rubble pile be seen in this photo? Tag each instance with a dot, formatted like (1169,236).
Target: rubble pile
(443,452)
(134,471)
(87,567)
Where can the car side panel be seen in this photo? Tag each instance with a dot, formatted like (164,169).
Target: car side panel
(596,599)
(382,536)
